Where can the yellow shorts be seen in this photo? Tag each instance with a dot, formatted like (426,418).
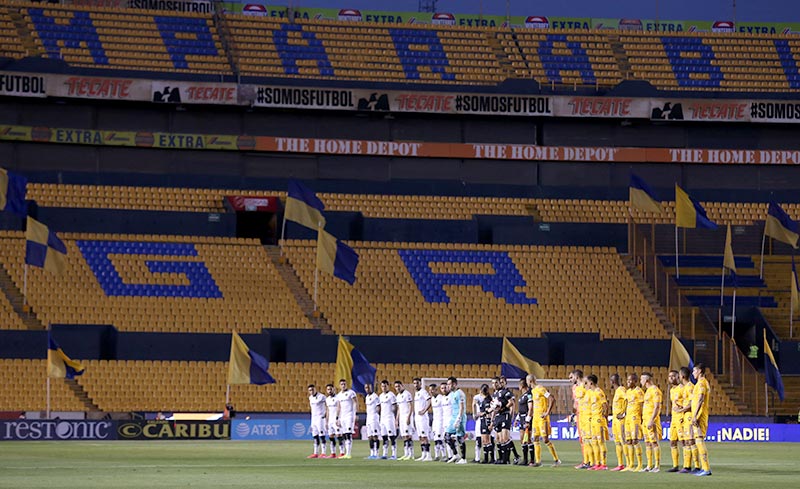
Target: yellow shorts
(618,430)
(676,427)
(633,429)
(585,428)
(540,426)
(699,431)
(653,435)
(686,427)
(599,429)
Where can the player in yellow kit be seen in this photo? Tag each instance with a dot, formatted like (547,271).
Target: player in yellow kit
(578,392)
(691,462)
(676,420)
(699,420)
(541,404)
(598,422)
(651,422)
(634,398)
(618,421)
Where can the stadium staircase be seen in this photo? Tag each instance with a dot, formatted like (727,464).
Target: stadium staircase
(225,37)
(82,396)
(17,301)
(500,54)
(777,282)
(621,56)
(648,294)
(304,300)
(744,408)
(25,35)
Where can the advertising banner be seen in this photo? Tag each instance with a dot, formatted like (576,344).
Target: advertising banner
(22,84)
(700,110)
(191,6)
(271,429)
(98,88)
(250,203)
(45,429)
(720,432)
(194,93)
(173,430)
(614,107)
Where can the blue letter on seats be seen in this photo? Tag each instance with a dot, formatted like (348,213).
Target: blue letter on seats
(698,62)
(419,47)
(195,38)
(80,33)
(313,51)
(503,283)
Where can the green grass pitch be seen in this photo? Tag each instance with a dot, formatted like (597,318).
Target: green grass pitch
(225,464)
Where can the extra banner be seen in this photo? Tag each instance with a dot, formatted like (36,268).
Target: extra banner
(405,149)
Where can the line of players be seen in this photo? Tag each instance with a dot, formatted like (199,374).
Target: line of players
(635,416)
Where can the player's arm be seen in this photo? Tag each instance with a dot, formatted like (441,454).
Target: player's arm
(512,406)
(696,412)
(462,407)
(476,409)
(656,412)
(410,412)
(621,415)
(604,407)
(551,401)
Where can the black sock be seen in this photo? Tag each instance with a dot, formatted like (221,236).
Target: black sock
(385,440)
(492,450)
(486,450)
(452,443)
(463,450)
(514,449)
(525,454)
(394,440)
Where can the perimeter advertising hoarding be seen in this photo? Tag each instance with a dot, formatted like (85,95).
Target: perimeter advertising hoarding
(271,429)
(47,429)
(173,430)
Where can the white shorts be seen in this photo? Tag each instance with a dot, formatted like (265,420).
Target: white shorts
(388,427)
(347,424)
(421,424)
(333,429)
(405,429)
(438,431)
(318,426)
(372,427)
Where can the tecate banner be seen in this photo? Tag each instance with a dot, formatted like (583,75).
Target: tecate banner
(173,430)
(271,429)
(35,430)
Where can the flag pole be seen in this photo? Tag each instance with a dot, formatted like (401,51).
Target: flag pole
(25,287)
(316,270)
(48,398)
(733,317)
(227,395)
(677,266)
(763,242)
(766,399)
(722,287)
(283,233)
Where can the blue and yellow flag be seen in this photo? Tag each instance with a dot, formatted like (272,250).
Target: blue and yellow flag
(12,193)
(246,366)
(780,226)
(43,248)
(59,365)
(678,356)
(303,206)
(728,260)
(353,367)
(771,373)
(689,213)
(514,365)
(336,258)
(642,197)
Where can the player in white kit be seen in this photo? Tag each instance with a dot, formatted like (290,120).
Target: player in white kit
(332,403)
(437,427)
(348,403)
(317,402)
(388,405)
(422,407)
(373,426)
(447,413)
(477,400)
(405,428)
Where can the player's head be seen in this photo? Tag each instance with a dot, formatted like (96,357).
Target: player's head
(329,390)
(443,388)
(686,374)
(591,381)
(503,381)
(312,390)
(417,383)
(523,384)
(646,379)
(452,383)
(633,381)
(384,386)
(699,370)
(485,389)
(496,383)
(342,385)
(576,376)
(530,379)
(432,389)
(368,388)
(398,386)
(673,377)
(614,378)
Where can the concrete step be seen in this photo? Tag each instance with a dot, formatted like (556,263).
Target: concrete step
(15,297)
(83,396)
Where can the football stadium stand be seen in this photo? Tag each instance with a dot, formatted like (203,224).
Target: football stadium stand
(207,285)
(24,388)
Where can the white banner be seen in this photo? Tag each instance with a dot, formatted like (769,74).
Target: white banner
(604,107)
(22,84)
(721,110)
(98,88)
(192,6)
(194,93)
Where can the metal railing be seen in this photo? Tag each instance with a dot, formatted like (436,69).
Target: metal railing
(746,381)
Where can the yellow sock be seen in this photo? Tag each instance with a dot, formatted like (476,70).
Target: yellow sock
(603,452)
(628,455)
(676,457)
(637,449)
(537,452)
(695,457)
(648,452)
(552,450)
(595,452)
(687,457)
(620,453)
(586,452)
(702,450)
(657,456)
